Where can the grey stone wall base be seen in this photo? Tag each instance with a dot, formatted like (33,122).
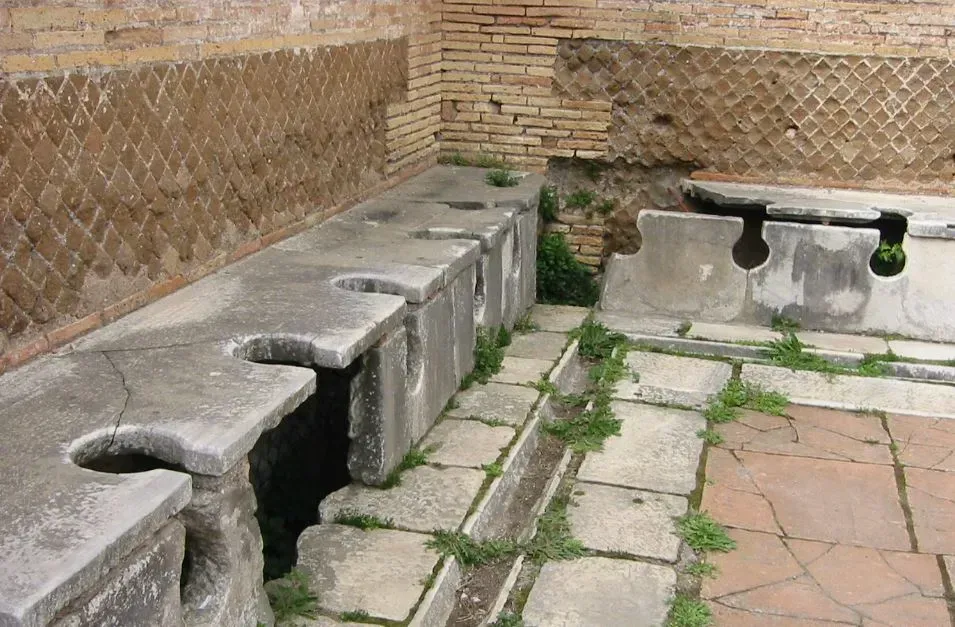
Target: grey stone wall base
(141,591)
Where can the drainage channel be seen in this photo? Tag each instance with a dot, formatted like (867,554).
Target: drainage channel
(484,589)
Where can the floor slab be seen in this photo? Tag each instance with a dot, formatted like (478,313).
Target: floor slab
(672,380)
(558,318)
(924,442)
(522,371)
(495,402)
(931,495)
(540,345)
(466,443)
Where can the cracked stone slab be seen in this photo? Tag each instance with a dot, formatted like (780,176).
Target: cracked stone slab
(931,495)
(802,580)
(540,345)
(810,432)
(923,351)
(625,521)
(466,188)
(466,443)
(672,380)
(426,499)
(815,499)
(381,571)
(276,300)
(522,371)
(558,318)
(657,450)
(855,393)
(924,442)
(600,591)
(717,332)
(630,324)
(62,526)
(495,402)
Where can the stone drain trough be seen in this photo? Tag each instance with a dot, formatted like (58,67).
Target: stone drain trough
(144,461)
(754,251)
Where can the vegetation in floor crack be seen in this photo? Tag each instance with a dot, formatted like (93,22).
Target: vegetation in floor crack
(526,324)
(508,619)
(354,616)
(488,355)
(291,598)
(782,324)
(738,394)
(501,178)
(876,365)
(554,540)
(561,278)
(710,437)
(685,611)
(889,259)
(470,552)
(580,199)
(353,518)
(684,328)
(549,203)
(596,341)
(702,569)
(412,459)
(790,352)
(586,431)
(493,470)
(704,534)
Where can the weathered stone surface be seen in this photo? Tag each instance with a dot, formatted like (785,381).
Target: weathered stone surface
(382,572)
(522,371)
(600,591)
(731,332)
(684,269)
(671,380)
(932,499)
(924,442)
(277,304)
(489,289)
(467,443)
(540,345)
(495,402)
(224,585)
(629,324)
(465,333)
(526,231)
(379,425)
(142,590)
(624,521)
(844,343)
(647,436)
(427,499)
(926,307)
(855,393)
(926,351)
(558,318)
(465,188)
(62,527)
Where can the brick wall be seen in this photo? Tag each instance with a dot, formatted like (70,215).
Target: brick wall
(143,146)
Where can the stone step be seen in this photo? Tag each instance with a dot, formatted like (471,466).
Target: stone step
(671,380)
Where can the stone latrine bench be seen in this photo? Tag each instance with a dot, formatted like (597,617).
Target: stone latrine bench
(135,459)
(806,255)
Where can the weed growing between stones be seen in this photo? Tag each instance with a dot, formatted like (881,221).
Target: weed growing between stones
(412,459)
(741,394)
(548,204)
(889,259)
(782,324)
(508,619)
(606,207)
(488,355)
(554,540)
(702,569)
(684,328)
(703,534)
(353,518)
(291,598)
(595,341)
(790,352)
(501,178)
(580,199)
(354,616)
(493,470)
(561,278)
(470,552)
(685,611)
(710,437)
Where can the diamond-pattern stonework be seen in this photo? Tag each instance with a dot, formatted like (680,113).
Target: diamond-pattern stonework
(774,115)
(110,182)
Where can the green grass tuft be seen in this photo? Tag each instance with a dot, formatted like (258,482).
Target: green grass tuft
(702,569)
(710,437)
(493,470)
(580,199)
(686,611)
(554,540)
(489,162)
(412,459)
(549,203)
(782,324)
(291,598)
(353,518)
(561,278)
(501,178)
(526,324)
(354,616)
(468,551)
(508,619)
(596,341)
(488,355)
(703,533)
(741,394)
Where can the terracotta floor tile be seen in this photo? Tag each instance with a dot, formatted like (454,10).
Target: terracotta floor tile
(728,617)
(759,559)
(924,442)
(931,496)
(910,611)
(830,501)
(734,508)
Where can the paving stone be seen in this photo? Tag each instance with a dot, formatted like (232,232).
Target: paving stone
(540,345)
(427,499)
(522,371)
(382,572)
(671,380)
(723,615)
(600,591)
(558,318)
(466,443)
(802,580)
(657,449)
(855,393)
(931,495)
(629,324)
(926,351)
(496,402)
(731,332)
(823,500)
(621,520)
(811,432)
(844,343)
(924,442)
